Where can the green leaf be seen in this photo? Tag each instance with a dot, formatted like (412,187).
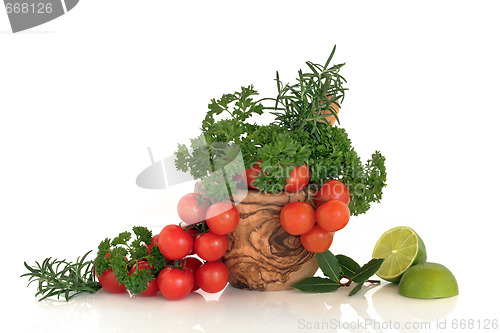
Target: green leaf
(143,234)
(122,238)
(138,251)
(156,259)
(101,262)
(316,285)
(137,282)
(356,289)
(348,265)
(63,278)
(329,265)
(368,269)
(330,57)
(118,263)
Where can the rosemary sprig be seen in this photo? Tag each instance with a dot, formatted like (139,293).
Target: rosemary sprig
(306,104)
(63,278)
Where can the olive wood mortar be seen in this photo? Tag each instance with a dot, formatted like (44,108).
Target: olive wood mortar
(261,255)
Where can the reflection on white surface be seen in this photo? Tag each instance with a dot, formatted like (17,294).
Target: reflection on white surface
(410,308)
(243,311)
(392,307)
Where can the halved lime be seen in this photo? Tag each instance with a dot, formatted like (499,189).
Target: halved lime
(428,280)
(401,248)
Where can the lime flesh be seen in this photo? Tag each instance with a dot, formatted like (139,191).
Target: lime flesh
(401,248)
(428,280)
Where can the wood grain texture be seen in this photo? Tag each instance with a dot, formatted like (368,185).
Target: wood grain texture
(261,255)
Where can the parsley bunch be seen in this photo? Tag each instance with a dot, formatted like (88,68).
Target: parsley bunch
(299,135)
(122,253)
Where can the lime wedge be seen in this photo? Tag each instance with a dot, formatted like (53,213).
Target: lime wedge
(428,280)
(401,248)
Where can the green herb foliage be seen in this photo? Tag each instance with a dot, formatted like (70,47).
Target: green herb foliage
(299,135)
(340,271)
(317,285)
(363,273)
(66,279)
(63,278)
(329,265)
(348,266)
(126,252)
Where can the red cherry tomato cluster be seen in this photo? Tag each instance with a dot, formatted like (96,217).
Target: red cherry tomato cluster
(204,236)
(316,228)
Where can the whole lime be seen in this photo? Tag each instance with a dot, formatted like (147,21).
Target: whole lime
(428,280)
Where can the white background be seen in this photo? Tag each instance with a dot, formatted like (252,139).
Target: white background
(83,96)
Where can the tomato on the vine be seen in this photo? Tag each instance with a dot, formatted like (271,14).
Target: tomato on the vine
(108,282)
(154,241)
(190,210)
(222,218)
(152,288)
(194,232)
(299,178)
(212,276)
(210,246)
(192,264)
(175,283)
(297,218)
(174,242)
(317,240)
(332,190)
(252,173)
(333,215)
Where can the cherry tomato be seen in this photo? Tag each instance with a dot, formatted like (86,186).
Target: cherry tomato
(174,242)
(175,283)
(193,233)
(252,173)
(212,276)
(108,282)
(154,241)
(333,190)
(210,246)
(222,218)
(297,218)
(333,215)
(192,264)
(189,209)
(152,288)
(299,178)
(317,240)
